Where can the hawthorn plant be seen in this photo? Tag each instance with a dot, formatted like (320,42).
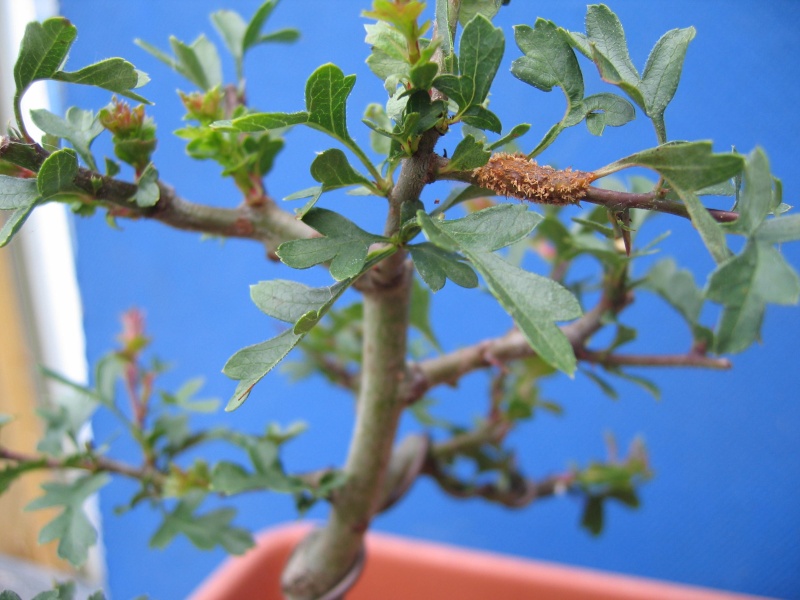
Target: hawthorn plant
(437,76)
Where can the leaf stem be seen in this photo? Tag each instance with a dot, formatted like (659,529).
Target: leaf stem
(361,155)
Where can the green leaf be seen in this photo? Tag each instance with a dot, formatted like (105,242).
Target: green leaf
(420,313)
(289,301)
(256,24)
(327,90)
(677,287)
(534,302)
(780,230)
(480,52)
(605,44)
(592,519)
(113,74)
(516,132)
(482,118)
(57,174)
(345,245)
(689,166)
(486,230)
(16,193)
(43,50)
(447,19)
(607,37)
(11,472)
(231,28)
(387,58)
(249,365)
(755,202)
(147,192)
(549,62)
(80,128)
(468,155)
(663,70)
(606,110)
(286,35)
(435,266)
(603,384)
(9,595)
(647,385)
(283,301)
(380,138)
(71,527)
(262,122)
(471,8)
(423,74)
(744,284)
(205,531)
(20,153)
(184,398)
(199,61)
(332,169)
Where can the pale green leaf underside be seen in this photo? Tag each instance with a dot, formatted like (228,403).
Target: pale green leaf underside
(288,301)
(534,302)
(72,528)
(345,245)
(744,284)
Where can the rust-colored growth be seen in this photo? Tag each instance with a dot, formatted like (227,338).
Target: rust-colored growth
(517,176)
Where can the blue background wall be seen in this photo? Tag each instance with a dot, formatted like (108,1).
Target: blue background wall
(722,511)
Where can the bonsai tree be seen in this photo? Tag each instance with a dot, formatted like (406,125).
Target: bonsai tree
(509,227)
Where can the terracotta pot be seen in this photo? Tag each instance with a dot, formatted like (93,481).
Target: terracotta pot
(404,569)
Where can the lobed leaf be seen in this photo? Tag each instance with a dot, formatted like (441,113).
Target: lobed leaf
(80,128)
(534,302)
(345,245)
(605,44)
(71,527)
(332,169)
(43,50)
(549,62)
(204,531)
(744,284)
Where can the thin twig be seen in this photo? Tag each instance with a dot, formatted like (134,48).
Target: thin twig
(611,199)
(690,359)
(91,463)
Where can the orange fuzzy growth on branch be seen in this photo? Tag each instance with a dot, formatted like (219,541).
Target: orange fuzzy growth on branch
(517,176)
